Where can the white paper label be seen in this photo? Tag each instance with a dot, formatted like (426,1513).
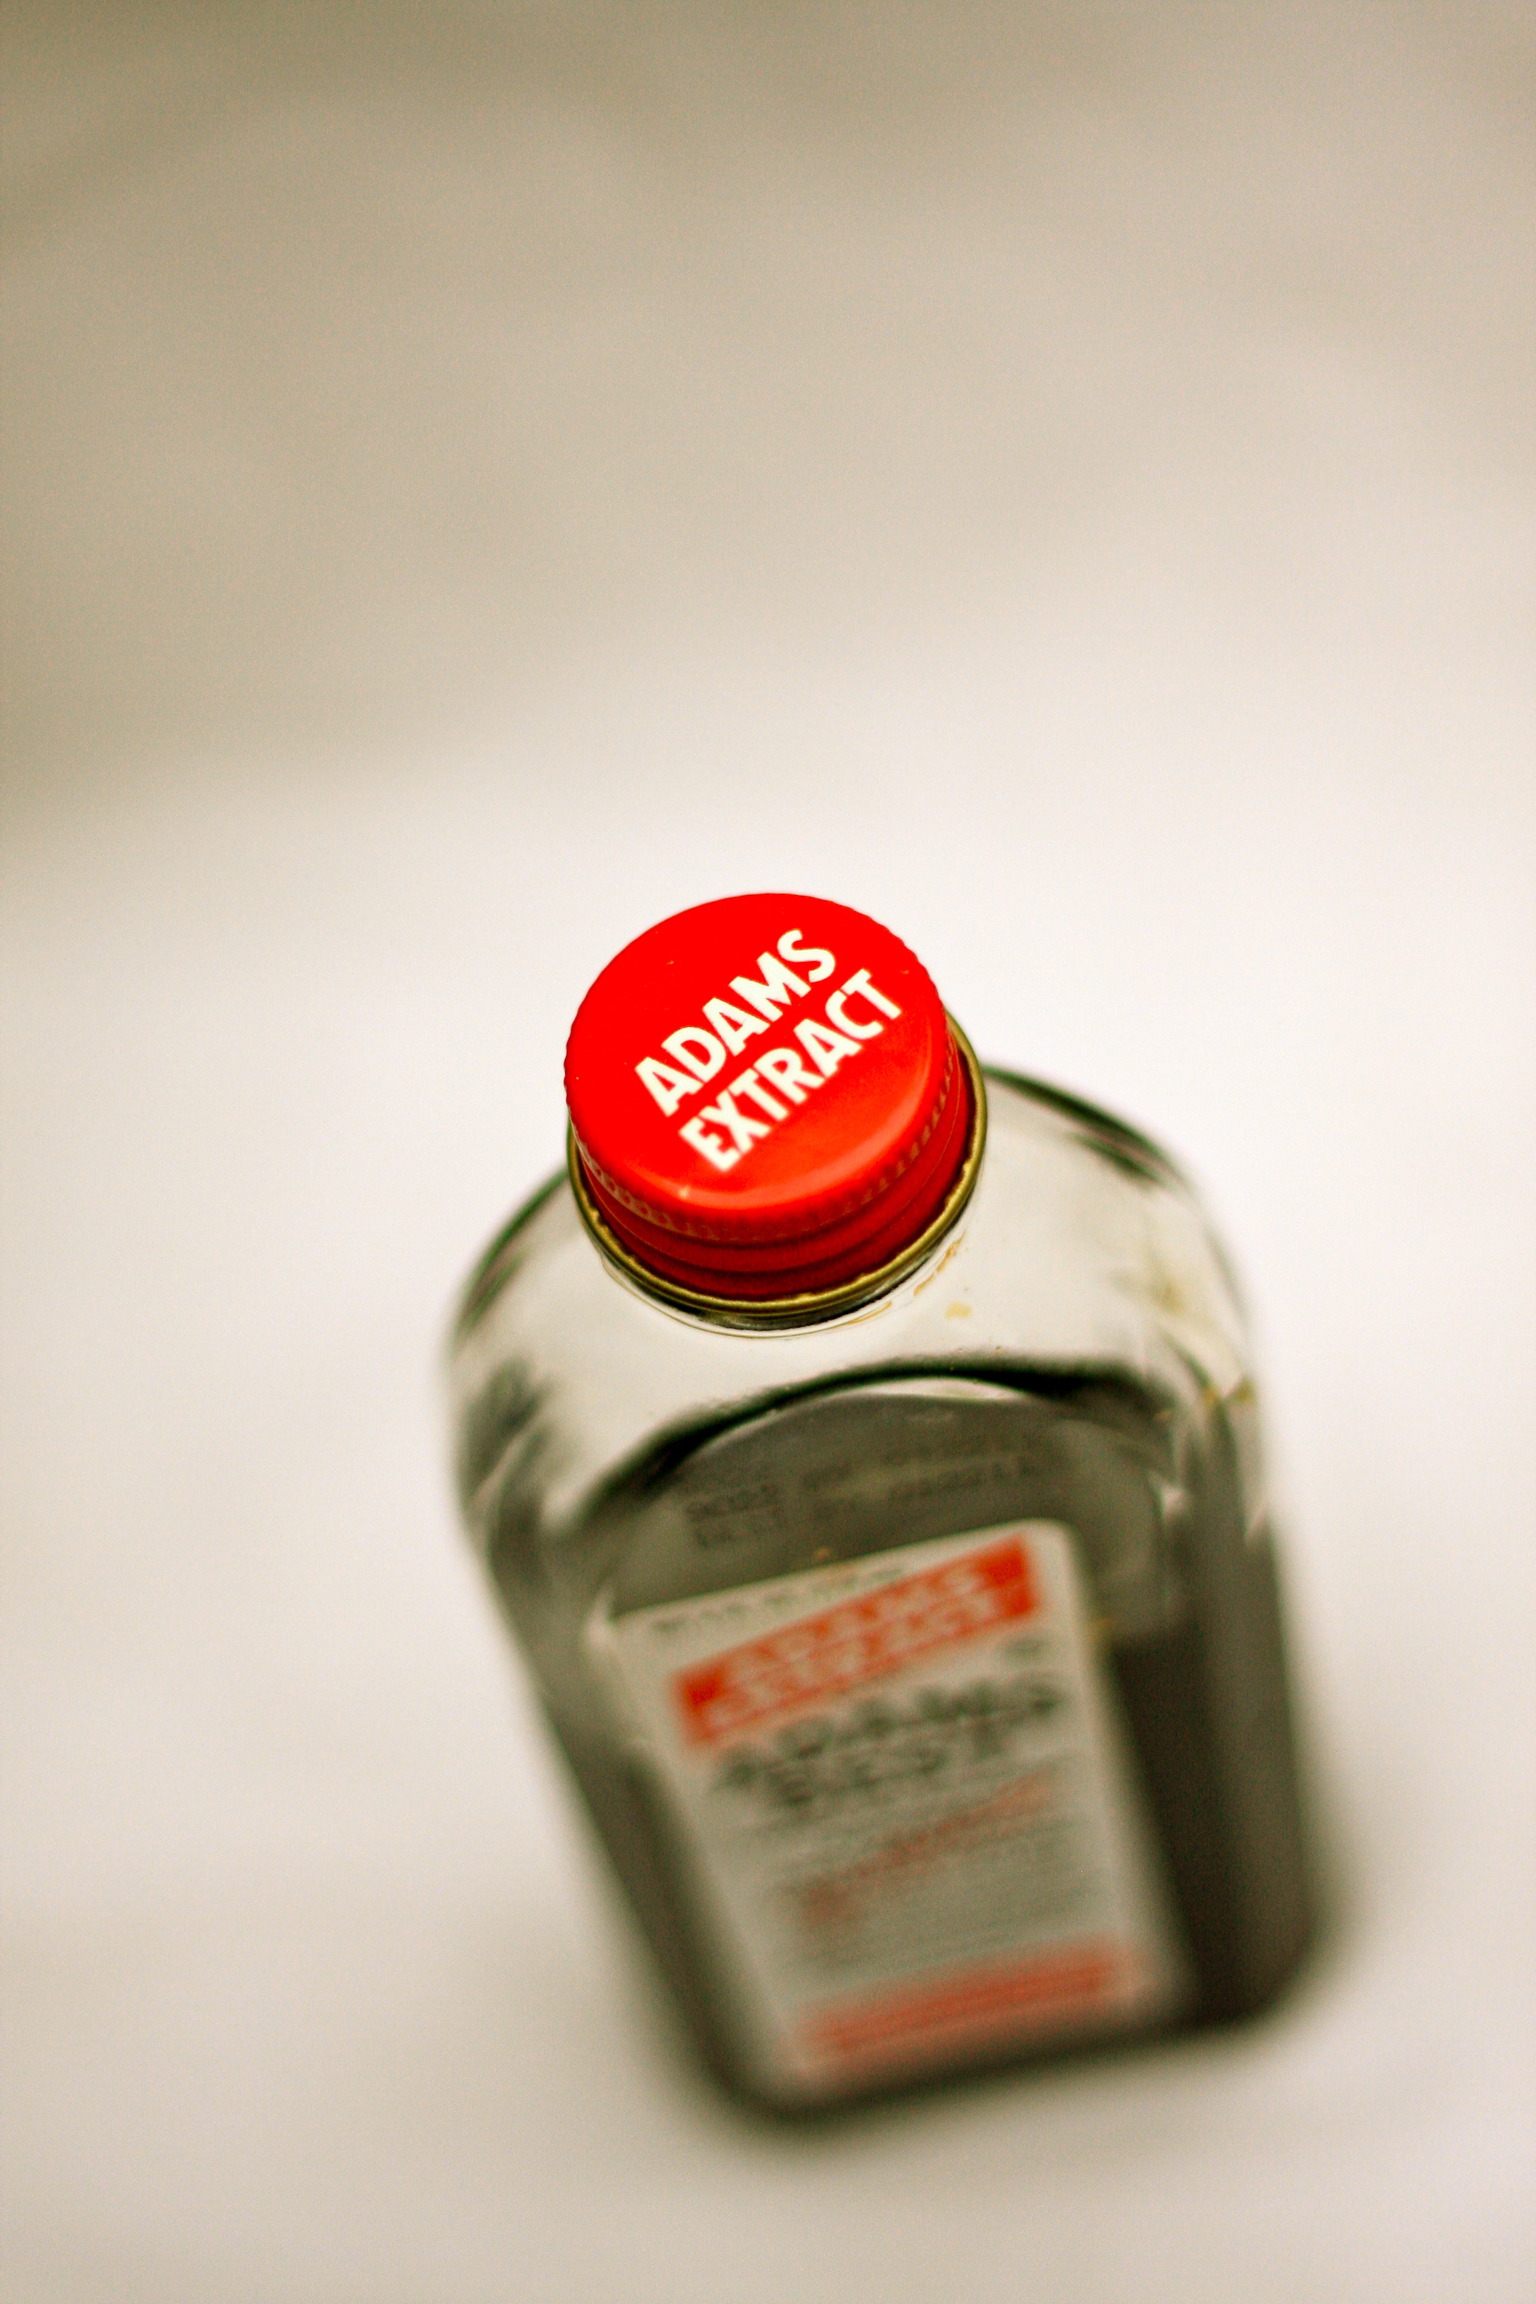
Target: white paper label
(909,1804)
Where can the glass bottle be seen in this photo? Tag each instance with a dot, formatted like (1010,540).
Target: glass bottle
(900,1590)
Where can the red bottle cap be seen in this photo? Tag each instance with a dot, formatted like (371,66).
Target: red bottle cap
(767,1098)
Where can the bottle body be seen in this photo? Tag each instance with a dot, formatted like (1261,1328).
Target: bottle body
(921,1668)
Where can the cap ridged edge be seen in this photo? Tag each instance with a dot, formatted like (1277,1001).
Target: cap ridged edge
(812,1305)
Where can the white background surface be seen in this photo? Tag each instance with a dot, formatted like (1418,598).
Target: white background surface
(1057,477)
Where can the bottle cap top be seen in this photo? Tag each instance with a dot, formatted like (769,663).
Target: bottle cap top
(767,1098)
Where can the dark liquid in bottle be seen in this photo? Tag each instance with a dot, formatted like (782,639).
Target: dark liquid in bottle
(1184,1596)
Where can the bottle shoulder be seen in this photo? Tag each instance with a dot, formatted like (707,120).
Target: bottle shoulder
(1082,1247)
